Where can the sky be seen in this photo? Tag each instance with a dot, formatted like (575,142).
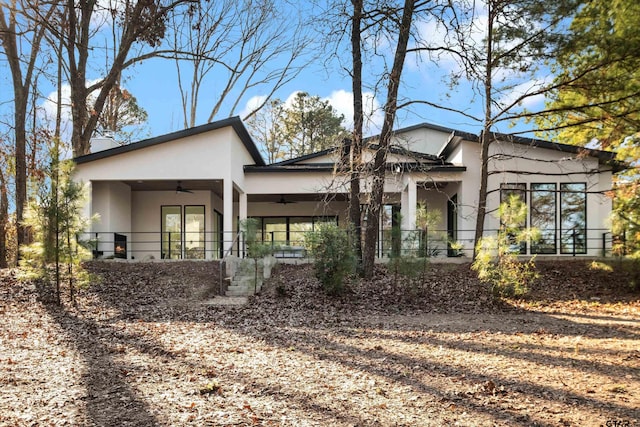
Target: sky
(154,84)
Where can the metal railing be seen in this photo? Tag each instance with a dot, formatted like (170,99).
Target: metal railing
(424,243)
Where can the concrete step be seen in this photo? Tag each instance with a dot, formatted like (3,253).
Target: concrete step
(238,292)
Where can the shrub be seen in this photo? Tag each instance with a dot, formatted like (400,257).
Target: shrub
(496,259)
(334,257)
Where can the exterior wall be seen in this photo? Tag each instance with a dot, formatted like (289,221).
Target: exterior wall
(300,209)
(146,219)
(422,140)
(202,156)
(111,206)
(534,165)
(292,183)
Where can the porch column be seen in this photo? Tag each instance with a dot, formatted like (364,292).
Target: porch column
(242,207)
(227,203)
(409,201)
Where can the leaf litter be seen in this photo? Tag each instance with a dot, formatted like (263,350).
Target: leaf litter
(139,348)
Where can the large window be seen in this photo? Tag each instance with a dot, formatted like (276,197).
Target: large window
(171,232)
(290,231)
(182,237)
(543,217)
(573,218)
(513,194)
(194,232)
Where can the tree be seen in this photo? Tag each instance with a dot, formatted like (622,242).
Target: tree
(253,44)
(305,126)
(21,38)
(601,105)
(354,149)
(121,111)
(500,52)
(400,23)
(310,125)
(265,126)
(134,24)
(4,213)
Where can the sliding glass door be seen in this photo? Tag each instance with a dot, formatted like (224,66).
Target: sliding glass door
(183,236)
(171,232)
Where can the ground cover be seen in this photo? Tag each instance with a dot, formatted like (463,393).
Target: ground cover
(141,349)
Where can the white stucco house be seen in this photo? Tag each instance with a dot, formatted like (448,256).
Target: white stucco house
(182,195)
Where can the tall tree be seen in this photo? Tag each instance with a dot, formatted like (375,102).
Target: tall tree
(400,24)
(134,23)
(21,37)
(502,46)
(266,127)
(4,212)
(310,125)
(602,104)
(354,148)
(306,125)
(249,44)
(121,112)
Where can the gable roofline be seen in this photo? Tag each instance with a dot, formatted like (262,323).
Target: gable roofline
(604,157)
(392,149)
(235,122)
(430,126)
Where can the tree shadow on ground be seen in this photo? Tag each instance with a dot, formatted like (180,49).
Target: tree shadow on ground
(110,400)
(322,329)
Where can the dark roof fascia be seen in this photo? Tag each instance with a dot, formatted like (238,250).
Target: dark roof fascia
(422,167)
(431,126)
(305,157)
(278,167)
(330,167)
(234,122)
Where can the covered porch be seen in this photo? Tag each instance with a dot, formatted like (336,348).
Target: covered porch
(200,219)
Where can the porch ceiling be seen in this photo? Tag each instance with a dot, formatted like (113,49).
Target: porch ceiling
(170,185)
(294,198)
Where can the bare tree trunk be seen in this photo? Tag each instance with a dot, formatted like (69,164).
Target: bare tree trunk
(379,166)
(355,148)
(9,36)
(485,138)
(4,219)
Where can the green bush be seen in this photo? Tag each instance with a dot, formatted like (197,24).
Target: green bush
(496,259)
(334,257)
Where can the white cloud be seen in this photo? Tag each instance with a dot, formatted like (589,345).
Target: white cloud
(253,103)
(524,89)
(342,101)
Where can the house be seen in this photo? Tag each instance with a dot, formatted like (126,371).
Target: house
(183,195)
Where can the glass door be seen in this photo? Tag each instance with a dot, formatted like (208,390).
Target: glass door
(171,232)
(194,232)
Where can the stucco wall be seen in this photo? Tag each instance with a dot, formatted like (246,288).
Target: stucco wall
(534,165)
(146,218)
(111,207)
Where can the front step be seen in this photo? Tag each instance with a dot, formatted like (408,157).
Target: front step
(244,277)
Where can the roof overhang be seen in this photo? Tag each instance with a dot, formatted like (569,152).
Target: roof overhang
(233,122)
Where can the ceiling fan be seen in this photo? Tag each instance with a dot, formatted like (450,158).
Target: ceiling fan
(284,201)
(179,189)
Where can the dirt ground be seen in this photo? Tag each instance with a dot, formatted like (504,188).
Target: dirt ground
(140,349)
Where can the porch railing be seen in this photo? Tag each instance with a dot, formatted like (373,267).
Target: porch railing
(429,243)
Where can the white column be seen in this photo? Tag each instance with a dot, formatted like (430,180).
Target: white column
(242,208)
(409,201)
(227,204)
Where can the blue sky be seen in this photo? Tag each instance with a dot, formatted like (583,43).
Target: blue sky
(154,84)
